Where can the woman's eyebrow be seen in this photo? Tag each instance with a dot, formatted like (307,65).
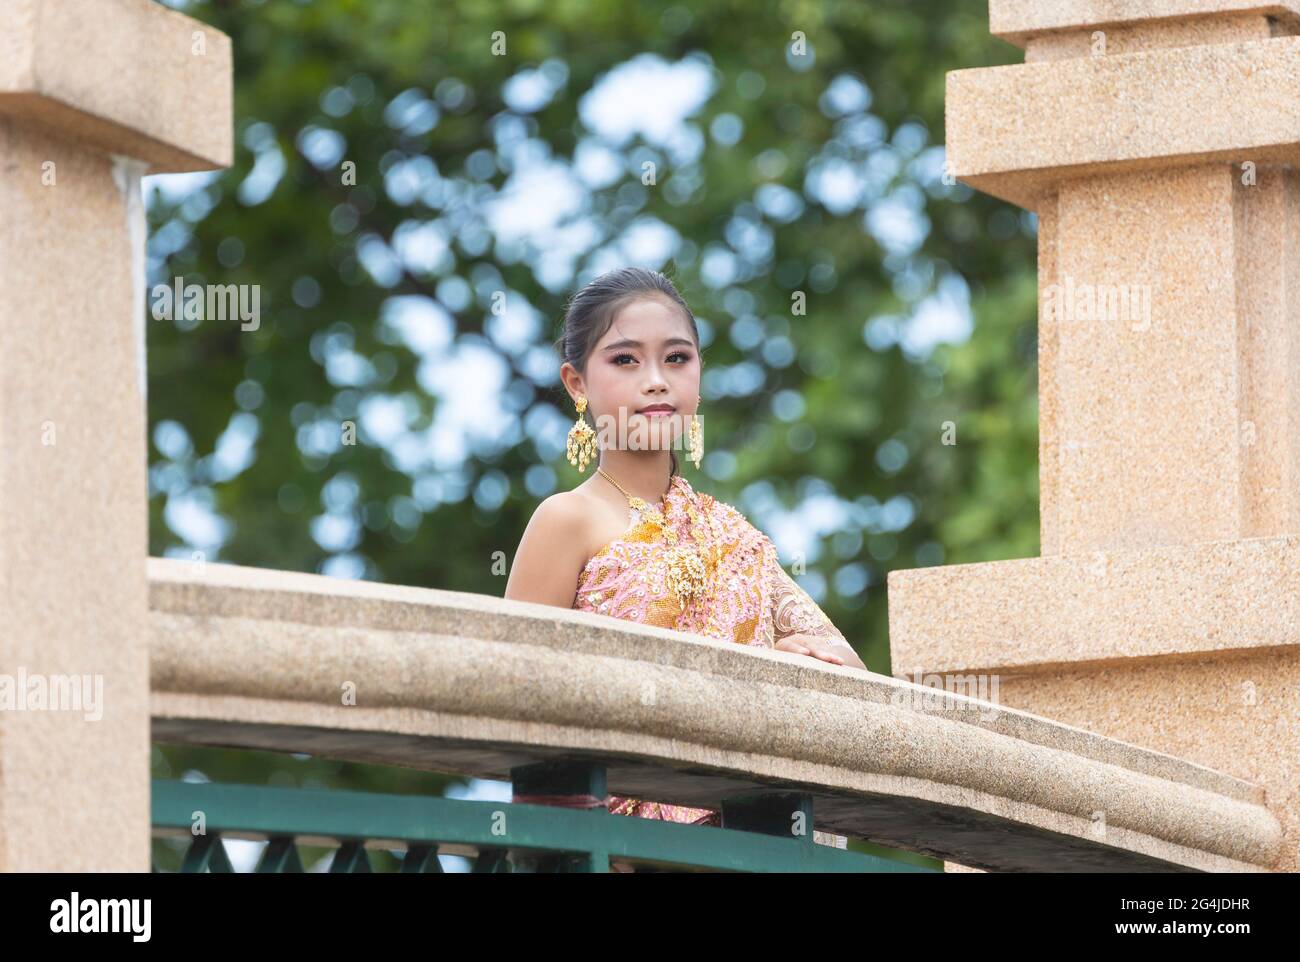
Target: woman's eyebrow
(626,342)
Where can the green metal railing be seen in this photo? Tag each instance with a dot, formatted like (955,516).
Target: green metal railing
(757,833)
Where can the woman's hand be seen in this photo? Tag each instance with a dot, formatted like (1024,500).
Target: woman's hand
(816,647)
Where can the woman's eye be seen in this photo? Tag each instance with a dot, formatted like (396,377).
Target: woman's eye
(682,354)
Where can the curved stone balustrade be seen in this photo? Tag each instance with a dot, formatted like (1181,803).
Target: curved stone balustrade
(472,684)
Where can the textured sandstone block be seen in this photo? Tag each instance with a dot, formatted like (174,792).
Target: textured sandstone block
(130,77)
(1022,21)
(1018,131)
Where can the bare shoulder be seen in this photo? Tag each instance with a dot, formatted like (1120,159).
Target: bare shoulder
(551,552)
(592,520)
(580,520)
(562,515)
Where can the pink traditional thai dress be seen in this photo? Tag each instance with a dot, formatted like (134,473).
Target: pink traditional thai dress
(748,597)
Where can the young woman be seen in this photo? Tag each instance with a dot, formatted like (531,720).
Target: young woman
(635,540)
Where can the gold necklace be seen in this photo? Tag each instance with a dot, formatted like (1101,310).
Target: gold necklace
(639,503)
(687,574)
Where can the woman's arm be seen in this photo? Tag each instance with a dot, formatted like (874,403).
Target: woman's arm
(799,624)
(551,554)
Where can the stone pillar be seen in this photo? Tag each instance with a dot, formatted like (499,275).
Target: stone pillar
(93,94)
(1157,141)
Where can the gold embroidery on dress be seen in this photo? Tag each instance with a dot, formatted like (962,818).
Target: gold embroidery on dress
(663,612)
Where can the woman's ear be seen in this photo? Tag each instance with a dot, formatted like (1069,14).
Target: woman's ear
(571,380)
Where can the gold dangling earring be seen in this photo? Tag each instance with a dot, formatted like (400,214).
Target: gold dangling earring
(582,439)
(697,439)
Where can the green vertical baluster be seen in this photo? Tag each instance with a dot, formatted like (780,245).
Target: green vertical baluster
(491,861)
(597,860)
(281,856)
(351,858)
(421,858)
(206,853)
(220,861)
(565,777)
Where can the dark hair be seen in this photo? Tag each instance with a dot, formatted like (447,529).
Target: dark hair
(591,311)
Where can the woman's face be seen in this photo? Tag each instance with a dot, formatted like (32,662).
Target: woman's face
(646,358)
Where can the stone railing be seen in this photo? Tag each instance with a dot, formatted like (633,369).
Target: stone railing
(477,685)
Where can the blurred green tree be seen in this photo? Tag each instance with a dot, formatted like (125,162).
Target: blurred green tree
(417,189)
